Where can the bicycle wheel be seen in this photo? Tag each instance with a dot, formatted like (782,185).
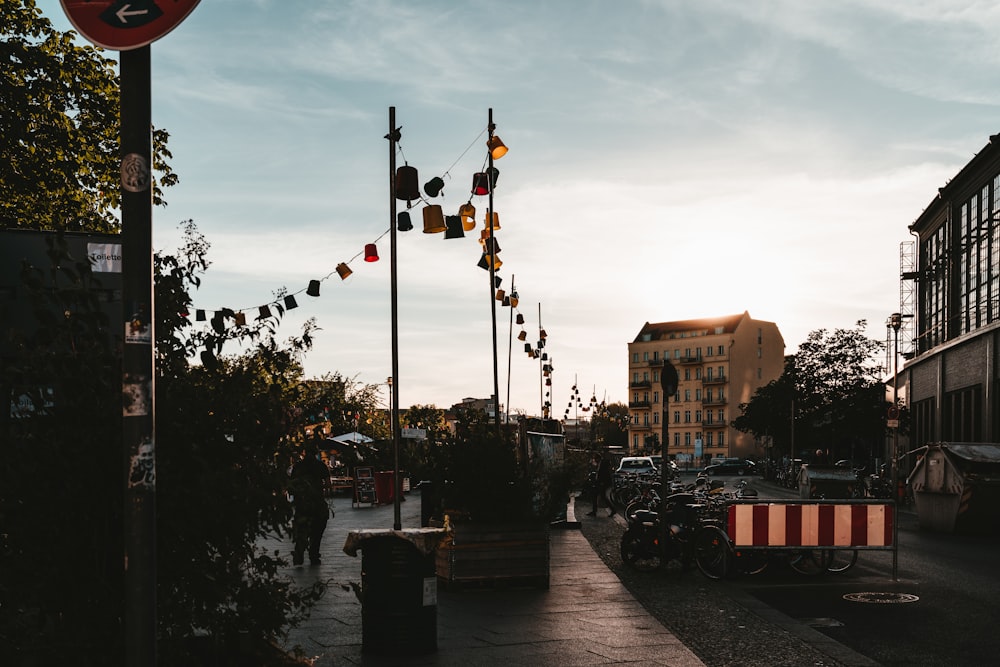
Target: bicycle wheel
(841,560)
(639,551)
(711,552)
(810,561)
(750,561)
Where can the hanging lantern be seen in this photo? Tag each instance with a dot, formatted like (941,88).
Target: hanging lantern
(491,245)
(468,213)
(520,317)
(433,219)
(543,336)
(241,319)
(199,315)
(497,148)
(486,260)
(313,289)
(434,186)
(403,222)
(514,300)
(343,270)
(493,217)
(500,295)
(290,302)
(497,280)
(453,224)
(407,183)
(523,335)
(545,356)
(371,252)
(548,382)
(480,183)
(263,313)
(506,301)
(527,348)
(493,173)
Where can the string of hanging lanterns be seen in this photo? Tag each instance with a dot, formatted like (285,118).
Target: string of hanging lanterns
(406,182)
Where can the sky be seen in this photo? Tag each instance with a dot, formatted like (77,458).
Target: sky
(668,160)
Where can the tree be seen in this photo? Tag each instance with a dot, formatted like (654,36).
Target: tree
(833,384)
(59,128)
(609,424)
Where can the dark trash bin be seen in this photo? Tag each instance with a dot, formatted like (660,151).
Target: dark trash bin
(399,589)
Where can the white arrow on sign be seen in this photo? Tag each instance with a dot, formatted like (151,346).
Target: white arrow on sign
(123,13)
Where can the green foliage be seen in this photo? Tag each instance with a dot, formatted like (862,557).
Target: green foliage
(834,383)
(610,425)
(59,125)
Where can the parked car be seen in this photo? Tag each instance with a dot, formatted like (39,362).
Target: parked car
(658,461)
(636,465)
(731,467)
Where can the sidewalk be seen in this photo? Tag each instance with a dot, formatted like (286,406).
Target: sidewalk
(587,617)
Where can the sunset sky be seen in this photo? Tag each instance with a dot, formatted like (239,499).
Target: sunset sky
(668,160)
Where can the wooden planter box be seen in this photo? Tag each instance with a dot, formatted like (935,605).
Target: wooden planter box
(495,554)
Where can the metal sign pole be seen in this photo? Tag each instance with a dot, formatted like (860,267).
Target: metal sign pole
(138,393)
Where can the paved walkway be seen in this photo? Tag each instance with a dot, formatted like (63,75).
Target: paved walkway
(587,617)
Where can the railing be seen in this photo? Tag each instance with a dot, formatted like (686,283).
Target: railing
(640,383)
(718,379)
(638,404)
(718,400)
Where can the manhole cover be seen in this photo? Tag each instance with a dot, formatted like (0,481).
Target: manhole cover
(881,598)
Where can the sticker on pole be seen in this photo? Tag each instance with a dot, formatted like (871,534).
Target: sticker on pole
(123,25)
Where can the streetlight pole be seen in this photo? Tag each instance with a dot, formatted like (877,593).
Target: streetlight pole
(895,321)
(492,262)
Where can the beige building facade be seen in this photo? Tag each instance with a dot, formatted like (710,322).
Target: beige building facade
(720,363)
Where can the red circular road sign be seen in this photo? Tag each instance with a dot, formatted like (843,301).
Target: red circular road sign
(126,24)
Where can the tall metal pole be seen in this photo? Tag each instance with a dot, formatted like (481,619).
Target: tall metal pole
(393,137)
(138,387)
(492,262)
(895,321)
(541,382)
(510,345)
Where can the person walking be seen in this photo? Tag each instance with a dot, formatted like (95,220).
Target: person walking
(310,481)
(603,466)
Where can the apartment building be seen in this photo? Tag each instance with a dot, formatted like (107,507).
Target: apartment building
(720,362)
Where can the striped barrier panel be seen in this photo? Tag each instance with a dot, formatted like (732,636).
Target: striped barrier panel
(856,525)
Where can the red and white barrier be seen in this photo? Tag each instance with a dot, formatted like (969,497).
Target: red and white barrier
(811,525)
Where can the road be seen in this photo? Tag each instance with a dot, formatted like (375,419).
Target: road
(939,610)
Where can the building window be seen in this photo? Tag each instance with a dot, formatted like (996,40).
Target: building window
(656,417)
(687,439)
(697,416)
(677,416)
(656,397)
(687,416)
(677,439)
(635,376)
(635,357)
(645,356)
(687,373)
(687,395)
(960,415)
(697,394)
(655,355)
(708,440)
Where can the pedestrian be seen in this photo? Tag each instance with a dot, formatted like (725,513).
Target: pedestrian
(309,484)
(603,467)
